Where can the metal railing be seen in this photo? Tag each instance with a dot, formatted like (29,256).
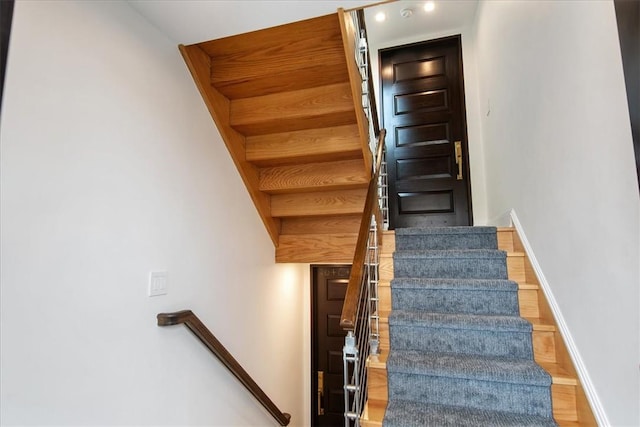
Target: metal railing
(364,339)
(363,62)
(362,58)
(360,309)
(360,318)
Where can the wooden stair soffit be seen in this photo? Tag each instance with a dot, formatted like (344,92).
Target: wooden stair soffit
(286,102)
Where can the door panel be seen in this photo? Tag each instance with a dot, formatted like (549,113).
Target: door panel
(329,285)
(423,112)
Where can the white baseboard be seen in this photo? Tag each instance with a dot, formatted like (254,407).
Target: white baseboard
(583,374)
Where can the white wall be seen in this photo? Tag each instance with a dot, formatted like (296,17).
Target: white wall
(111,167)
(558,151)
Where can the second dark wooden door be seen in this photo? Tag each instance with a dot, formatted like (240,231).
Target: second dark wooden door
(329,288)
(424,114)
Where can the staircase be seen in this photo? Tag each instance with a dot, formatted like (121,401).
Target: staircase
(463,318)
(287,103)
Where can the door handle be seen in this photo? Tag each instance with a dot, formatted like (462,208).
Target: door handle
(458,152)
(320,393)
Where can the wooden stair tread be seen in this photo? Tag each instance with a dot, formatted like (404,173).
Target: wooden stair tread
(378,361)
(566,423)
(516,254)
(540,324)
(559,375)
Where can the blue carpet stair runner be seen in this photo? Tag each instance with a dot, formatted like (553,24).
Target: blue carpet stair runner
(460,355)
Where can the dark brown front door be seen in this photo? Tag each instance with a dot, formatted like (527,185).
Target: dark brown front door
(424,114)
(329,286)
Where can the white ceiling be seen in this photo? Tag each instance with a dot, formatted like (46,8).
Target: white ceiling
(193,21)
(448,16)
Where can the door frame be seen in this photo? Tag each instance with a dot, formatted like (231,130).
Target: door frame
(465,134)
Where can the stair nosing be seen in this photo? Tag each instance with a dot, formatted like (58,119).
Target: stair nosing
(450,253)
(455,230)
(424,283)
(437,320)
(543,378)
(419,407)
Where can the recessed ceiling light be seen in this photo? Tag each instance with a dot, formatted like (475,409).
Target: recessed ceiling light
(380,16)
(429,6)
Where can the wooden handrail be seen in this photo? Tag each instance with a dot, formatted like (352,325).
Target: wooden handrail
(196,326)
(350,305)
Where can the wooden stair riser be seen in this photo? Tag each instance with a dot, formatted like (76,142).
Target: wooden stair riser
(385,268)
(373,413)
(528,301)
(505,240)
(346,202)
(304,146)
(515,267)
(377,387)
(564,402)
(544,349)
(289,81)
(384,333)
(307,177)
(388,246)
(318,107)
(384,296)
(340,224)
(330,248)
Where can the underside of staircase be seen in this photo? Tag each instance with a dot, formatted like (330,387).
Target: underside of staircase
(287,104)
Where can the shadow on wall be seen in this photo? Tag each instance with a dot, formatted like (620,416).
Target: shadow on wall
(628,19)
(6,16)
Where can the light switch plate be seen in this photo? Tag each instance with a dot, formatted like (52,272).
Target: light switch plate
(157,283)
